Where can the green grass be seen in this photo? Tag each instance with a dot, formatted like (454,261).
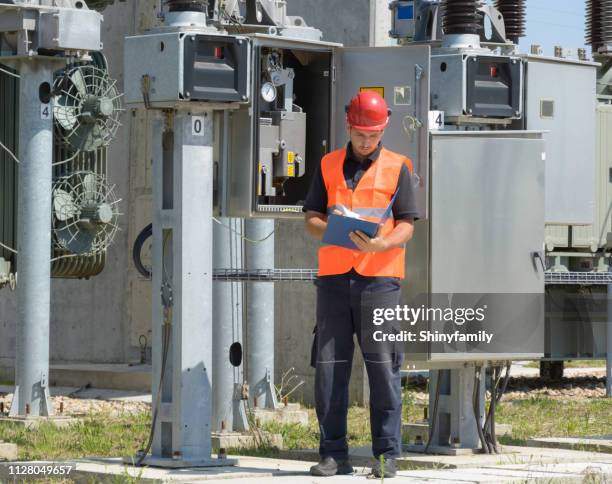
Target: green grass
(572,364)
(546,417)
(103,436)
(297,436)
(95,436)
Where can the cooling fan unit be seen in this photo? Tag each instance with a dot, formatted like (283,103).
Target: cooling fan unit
(86,108)
(84,213)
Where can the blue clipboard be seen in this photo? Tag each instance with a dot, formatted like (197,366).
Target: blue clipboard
(339,227)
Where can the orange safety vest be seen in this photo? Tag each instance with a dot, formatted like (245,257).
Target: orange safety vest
(370,198)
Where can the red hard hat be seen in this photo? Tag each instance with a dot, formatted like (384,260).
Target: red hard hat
(368,111)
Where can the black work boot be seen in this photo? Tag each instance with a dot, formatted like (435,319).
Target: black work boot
(328,466)
(390,468)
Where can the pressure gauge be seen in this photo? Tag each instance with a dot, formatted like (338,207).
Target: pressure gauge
(268,92)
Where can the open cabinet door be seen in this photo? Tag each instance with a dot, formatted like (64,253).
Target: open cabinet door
(401,75)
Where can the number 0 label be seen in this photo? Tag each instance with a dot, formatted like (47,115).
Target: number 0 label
(197,125)
(45,111)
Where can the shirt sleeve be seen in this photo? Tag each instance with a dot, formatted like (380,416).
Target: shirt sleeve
(316,200)
(405,203)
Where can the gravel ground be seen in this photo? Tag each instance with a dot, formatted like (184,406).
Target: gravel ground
(77,407)
(521,388)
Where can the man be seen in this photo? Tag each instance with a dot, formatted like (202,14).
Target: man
(363,178)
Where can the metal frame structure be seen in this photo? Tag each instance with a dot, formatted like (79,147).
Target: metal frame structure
(36,39)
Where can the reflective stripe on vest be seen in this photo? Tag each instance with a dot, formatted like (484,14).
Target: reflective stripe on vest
(369,200)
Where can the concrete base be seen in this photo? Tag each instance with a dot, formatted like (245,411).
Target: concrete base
(164,463)
(237,440)
(410,431)
(362,456)
(119,376)
(116,376)
(593,444)
(534,465)
(8,451)
(443,450)
(35,422)
(291,414)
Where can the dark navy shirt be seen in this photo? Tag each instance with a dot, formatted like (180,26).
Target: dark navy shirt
(404,207)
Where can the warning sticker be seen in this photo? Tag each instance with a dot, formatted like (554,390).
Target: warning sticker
(402,95)
(379,90)
(291,157)
(291,170)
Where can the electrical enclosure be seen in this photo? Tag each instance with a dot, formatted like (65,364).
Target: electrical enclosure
(212,68)
(278,140)
(274,154)
(486,220)
(477,85)
(561,100)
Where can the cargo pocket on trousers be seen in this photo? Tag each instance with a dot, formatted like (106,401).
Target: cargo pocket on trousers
(398,358)
(313,349)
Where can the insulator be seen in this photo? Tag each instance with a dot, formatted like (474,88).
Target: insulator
(461,17)
(598,23)
(514,12)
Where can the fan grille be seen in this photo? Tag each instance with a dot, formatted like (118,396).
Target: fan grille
(87,107)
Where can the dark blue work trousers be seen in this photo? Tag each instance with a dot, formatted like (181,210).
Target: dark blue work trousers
(339,306)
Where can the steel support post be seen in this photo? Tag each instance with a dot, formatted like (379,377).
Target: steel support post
(34,237)
(228,409)
(455,423)
(260,314)
(182,289)
(609,342)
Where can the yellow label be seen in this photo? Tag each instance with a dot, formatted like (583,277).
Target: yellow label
(291,157)
(259,181)
(376,89)
(291,170)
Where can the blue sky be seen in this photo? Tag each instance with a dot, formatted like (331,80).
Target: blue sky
(554,22)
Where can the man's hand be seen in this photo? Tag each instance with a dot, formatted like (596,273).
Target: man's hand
(367,244)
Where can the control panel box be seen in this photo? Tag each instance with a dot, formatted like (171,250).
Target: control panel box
(482,86)
(273,145)
(297,115)
(168,67)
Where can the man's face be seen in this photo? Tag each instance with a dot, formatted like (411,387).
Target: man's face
(364,142)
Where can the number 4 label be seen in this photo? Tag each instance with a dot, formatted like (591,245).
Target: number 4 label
(197,125)
(436,120)
(46,110)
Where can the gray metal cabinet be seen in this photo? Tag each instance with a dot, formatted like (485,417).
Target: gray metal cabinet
(482,242)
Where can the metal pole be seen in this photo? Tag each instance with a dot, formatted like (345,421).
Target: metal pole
(182,274)
(455,419)
(609,341)
(227,328)
(34,258)
(260,315)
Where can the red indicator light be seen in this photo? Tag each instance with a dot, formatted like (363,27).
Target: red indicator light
(493,71)
(219,53)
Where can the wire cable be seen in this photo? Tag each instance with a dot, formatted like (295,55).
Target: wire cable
(489,426)
(142,454)
(137,251)
(434,415)
(68,160)
(242,236)
(70,256)
(11,154)
(9,73)
(476,404)
(6,247)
